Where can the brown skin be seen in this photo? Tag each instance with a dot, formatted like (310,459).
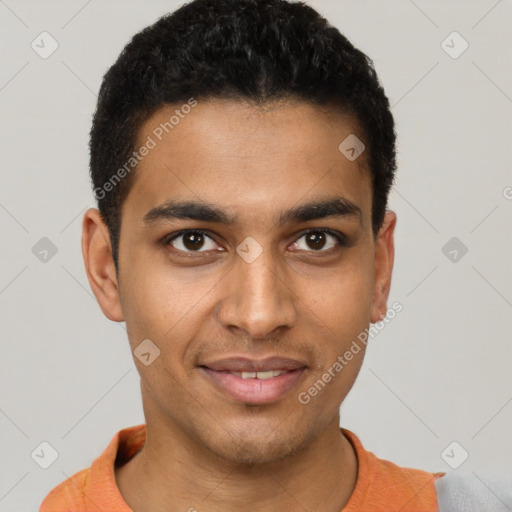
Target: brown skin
(204,449)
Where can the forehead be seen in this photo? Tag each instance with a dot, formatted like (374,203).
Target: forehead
(246,158)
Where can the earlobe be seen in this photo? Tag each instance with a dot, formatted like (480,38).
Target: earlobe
(384,258)
(99,264)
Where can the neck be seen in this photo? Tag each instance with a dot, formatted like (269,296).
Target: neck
(170,472)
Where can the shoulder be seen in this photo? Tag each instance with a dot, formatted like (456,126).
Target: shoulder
(72,491)
(414,487)
(383,485)
(95,488)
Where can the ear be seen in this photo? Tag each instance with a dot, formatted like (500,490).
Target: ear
(384,258)
(99,264)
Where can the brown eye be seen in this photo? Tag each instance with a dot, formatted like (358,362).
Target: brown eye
(315,240)
(192,241)
(318,241)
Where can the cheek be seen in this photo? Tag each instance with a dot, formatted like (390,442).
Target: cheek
(326,390)
(163,306)
(342,299)
(154,295)
(342,308)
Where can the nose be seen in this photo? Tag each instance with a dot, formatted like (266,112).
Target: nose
(258,298)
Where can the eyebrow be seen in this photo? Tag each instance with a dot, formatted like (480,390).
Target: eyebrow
(202,211)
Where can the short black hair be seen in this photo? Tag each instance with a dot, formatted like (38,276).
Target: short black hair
(255,50)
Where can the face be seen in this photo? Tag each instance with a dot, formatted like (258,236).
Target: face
(246,246)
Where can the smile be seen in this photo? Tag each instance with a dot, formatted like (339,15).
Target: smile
(262,387)
(259,375)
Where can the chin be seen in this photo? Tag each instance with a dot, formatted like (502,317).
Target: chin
(250,449)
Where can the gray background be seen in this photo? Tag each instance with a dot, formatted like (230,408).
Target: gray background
(439,372)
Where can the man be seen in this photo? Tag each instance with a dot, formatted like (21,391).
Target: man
(242,153)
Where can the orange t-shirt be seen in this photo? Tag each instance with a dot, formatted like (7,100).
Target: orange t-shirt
(381,485)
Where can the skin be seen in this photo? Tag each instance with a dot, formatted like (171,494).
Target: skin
(204,449)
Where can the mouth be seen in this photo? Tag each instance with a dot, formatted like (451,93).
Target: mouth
(253,382)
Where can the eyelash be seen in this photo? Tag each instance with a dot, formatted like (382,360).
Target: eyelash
(339,237)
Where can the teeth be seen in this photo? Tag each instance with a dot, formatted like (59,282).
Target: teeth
(259,375)
(264,375)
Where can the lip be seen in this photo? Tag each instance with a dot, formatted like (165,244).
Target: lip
(247,364)
(254,391)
